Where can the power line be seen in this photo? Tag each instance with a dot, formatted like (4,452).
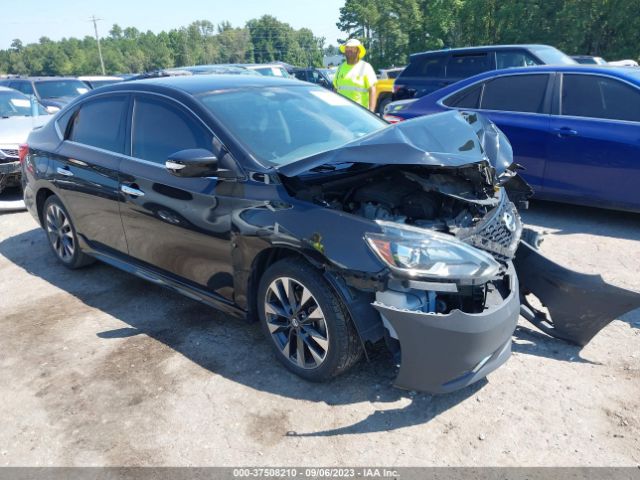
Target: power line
(95,28)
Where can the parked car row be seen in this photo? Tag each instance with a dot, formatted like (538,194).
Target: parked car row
(19,114)
(277,200)
(574,129)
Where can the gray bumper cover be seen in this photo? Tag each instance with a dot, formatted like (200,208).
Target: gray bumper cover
(445,352)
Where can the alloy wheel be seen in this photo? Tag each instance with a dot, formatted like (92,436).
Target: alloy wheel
(60,233)
(296,323)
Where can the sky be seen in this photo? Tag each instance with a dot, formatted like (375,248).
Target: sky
(61,18)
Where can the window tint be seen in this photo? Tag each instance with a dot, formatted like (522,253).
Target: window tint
(599,97)
(467,98)
(514,58)
(160,129)
(516,93)
(24,87)
(428,66)
(301,75)
(463,66)
(101,123)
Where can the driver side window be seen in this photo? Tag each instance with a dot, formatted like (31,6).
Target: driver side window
(160,129)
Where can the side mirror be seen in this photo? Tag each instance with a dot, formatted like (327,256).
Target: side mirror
(194,162)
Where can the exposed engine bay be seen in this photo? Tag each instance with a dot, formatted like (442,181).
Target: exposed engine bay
(466,202)
(440,194)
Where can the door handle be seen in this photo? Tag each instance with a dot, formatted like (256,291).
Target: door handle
(565,132)
(134,192)
(64,171)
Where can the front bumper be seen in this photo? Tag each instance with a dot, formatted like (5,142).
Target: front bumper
(441,353)
(9,168)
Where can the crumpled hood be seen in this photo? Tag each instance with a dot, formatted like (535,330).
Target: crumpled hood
(449,139)
(15,130)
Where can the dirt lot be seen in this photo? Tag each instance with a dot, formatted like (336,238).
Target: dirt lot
(100,368)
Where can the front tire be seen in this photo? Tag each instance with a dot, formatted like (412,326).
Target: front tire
(62,236)
(306,322)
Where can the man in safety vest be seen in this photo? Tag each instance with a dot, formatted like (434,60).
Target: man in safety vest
(356,79)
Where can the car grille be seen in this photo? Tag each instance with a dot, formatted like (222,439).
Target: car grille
(8,155)
(497,233)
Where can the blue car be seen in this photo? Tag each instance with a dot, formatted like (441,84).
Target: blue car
(575,129)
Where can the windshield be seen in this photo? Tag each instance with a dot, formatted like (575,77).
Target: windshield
(14,104)
(553,56)
(279,125)
(329,73)
(60,88)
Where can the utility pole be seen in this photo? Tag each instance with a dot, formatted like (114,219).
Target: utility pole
(95,28)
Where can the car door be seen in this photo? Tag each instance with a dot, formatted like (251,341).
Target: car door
(178,225)
(85,169)
(595,153)
(519,105)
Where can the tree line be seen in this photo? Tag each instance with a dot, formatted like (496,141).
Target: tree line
(390,29)
(129,50)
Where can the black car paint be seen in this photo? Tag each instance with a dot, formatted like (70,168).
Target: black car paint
(209,238)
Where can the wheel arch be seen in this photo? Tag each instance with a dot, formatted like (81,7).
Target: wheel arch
(361,313)
(41,197)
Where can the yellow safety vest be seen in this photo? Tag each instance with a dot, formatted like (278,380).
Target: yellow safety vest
(353,84)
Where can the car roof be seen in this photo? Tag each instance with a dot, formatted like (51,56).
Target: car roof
(480,48)
(631,73)
(96,78)
(43,78)
(196,84)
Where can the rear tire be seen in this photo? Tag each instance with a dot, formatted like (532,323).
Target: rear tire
(383,103)
(306,322)
(62,236)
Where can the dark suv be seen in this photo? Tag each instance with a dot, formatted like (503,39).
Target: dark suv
(430,71)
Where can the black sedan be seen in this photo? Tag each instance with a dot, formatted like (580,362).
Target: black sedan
(281,201)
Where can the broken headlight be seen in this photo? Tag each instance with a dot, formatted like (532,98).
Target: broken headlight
(419,252)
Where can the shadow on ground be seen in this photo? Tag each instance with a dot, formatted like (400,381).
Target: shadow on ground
(595,221)
(222,345)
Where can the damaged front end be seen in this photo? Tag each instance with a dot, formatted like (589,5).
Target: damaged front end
(442,198)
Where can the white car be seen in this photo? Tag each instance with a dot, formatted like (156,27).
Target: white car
(18,116)
(624,63)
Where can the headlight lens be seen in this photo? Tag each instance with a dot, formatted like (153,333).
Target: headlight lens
(421,252)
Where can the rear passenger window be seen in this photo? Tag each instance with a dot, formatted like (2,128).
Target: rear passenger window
(101,123)
(516,93)
(511,59)
(430,66)
(599,97)
(463,66)
(467,98)
(160,129)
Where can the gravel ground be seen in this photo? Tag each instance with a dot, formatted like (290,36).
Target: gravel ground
(98,367)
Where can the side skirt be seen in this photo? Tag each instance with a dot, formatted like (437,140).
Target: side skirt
(139,270)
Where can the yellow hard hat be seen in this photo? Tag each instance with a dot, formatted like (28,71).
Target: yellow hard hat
(353,42)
